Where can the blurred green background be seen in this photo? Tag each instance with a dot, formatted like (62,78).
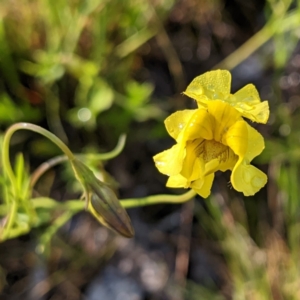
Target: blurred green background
(91,70)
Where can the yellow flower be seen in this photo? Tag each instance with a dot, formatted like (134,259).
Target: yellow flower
(215,85)
(209,139)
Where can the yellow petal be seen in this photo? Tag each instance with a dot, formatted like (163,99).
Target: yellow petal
(212,166)
(200,125)
(229,163)
(257,113)
(237,138)
(177,181)
(176,122)
(169,162)
(255,144)
(248,94)
(224,163)
(203,187)
(224,115)
(212,85)
(247,101)
(247,179)
(193,167)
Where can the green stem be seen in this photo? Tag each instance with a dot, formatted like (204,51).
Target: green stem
(279,23)
(109,155)
(27,126)
(76,205)
(44,167)
(244,51)
(129,203)
(8,168)
(6,161)
(10,222)
(58,223)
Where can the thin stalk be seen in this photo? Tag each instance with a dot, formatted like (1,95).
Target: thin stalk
(27,126)
(58,223)
(8,168)
(278,23)
(44,167)
(157,199)
(10,221)
(244,51)
(76,205)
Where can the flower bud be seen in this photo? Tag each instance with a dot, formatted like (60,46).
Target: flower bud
(102,201)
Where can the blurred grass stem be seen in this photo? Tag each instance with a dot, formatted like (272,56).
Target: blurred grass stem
(279,22)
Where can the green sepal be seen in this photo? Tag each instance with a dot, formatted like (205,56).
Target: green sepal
(102,202)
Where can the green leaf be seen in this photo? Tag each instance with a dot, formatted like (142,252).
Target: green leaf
(102,97)
(138,93)
(11,112)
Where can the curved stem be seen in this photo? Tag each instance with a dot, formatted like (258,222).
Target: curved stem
(47,134)
(8,168)
(10,222)
(27,126)
(129,203)
(44,167)
(109,155)
(6,161)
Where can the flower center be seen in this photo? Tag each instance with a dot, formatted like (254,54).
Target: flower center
(213,149)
